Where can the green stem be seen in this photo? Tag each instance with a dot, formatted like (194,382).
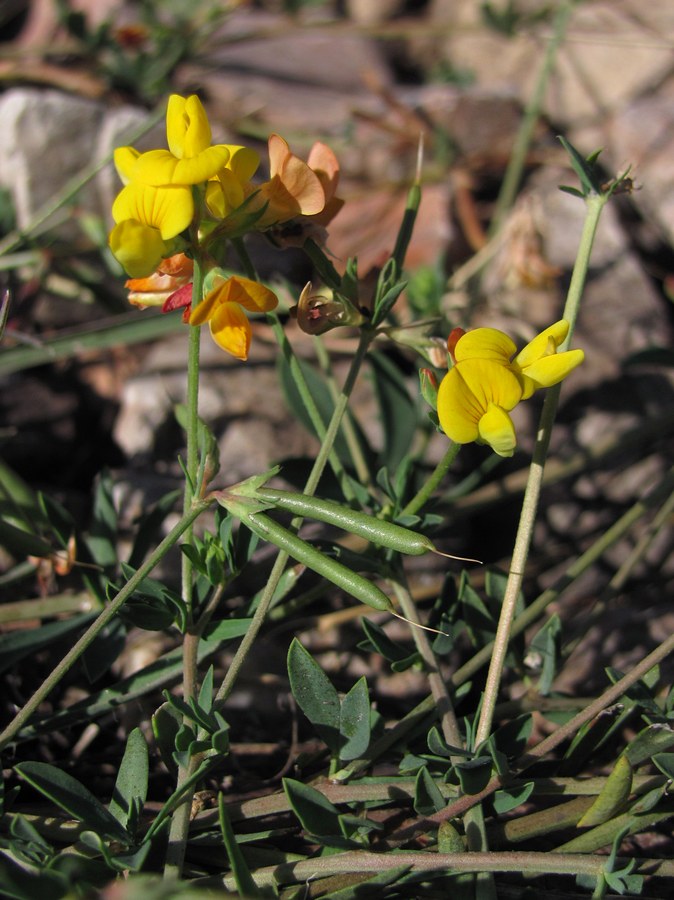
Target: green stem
(355,449)
(423,495)
(517,161)
(594,207)
(427,706)
(97,626)
(309,489)
(177,842)
(298,377)
(443,701)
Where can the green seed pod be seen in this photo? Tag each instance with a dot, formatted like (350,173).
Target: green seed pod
(336,572)
(386,534)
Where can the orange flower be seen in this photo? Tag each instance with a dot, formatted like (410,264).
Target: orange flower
(223,308)
(293,188)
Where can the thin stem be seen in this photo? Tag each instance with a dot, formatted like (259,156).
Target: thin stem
(97,626)
(309,489)
(517,161)
(594,207)
(423,495)
(175,853)
(298,377)
(427,708)
(443,701)
(353,443)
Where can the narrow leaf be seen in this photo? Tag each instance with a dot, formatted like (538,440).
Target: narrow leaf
(316,813)
(315,694)
(354,726)
(67,793)
(130,790)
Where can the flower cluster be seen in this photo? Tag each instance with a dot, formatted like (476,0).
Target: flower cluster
(176,204)
(489,378)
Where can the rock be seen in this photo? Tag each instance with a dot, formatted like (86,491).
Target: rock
(50,139)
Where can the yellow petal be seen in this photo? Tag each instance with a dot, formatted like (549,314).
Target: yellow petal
(242,161)
(550,370)
(484,343)
(252,295)
(170,209)
(496,429)
(138,247)
(491,382)
(458,410)
(159,167)
(125,161)
(467,394)
(231,330)
(224,193)
(544,344)
(187,129)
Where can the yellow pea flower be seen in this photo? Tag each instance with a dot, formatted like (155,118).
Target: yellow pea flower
(190,159)
(148,220)
(223,308)
(474,399)
(488,380)
(539,365)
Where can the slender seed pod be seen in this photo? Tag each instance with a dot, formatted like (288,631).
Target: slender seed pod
(386,534)
(336,572)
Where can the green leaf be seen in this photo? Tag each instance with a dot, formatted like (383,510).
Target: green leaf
(427,796)
(16,645)
(102,539)
(397,410)
(166,723)
(584,168)
(474,774)
(244,880)
(317,815)
(512,738)
(665,762)
(354,724)
(400,657)
(508,799)
(652,740)
(315,695)
(67,793)
(320,392)
(130,792)
(21,543)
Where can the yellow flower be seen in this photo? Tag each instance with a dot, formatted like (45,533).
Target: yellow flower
(148,219)
(227,190)
(190,159)
(223,309)
(486,382)
(474,399)
(539,365)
